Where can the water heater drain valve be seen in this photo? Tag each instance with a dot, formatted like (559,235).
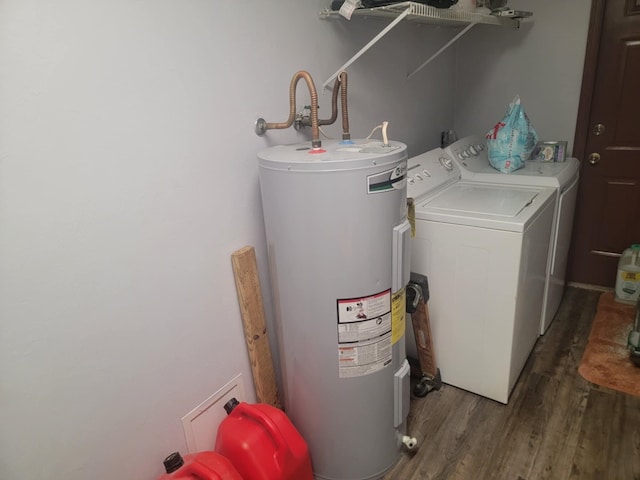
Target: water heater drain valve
(409,442)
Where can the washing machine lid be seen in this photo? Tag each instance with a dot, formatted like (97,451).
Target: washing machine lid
(552,174)
(494,206)
(474,165)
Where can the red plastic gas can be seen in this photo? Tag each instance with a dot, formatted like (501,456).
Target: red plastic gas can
(262,443)
(199,466)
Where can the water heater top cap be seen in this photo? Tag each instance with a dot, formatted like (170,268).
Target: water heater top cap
(361,154)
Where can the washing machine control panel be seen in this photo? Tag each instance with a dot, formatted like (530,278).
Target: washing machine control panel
(429,172)
(467,147)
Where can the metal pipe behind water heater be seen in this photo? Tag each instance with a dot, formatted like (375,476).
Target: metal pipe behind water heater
(338,241)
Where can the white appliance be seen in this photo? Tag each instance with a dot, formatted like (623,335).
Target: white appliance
(471,155)
(484,248)
(338,240)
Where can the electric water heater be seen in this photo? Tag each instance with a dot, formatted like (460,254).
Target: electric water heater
(338,242)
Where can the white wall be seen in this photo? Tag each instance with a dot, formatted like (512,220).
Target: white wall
(542,62)
(128,176)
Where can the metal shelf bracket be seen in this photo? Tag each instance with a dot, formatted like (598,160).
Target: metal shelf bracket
(444,47)
(375,39)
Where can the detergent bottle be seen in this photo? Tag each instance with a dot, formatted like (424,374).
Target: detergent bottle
(199,466)
(262,443)
(628,276)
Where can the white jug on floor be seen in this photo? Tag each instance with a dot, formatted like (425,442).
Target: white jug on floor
(628,276)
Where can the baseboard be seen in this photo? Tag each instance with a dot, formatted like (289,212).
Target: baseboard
(586,286)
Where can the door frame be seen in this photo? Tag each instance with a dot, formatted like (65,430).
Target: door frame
(588,78)
(590,68)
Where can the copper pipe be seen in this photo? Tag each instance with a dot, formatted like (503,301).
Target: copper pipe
(315,130)
(343,103)
(334,105)
(339,85)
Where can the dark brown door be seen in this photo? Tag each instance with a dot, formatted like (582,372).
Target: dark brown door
(608,144)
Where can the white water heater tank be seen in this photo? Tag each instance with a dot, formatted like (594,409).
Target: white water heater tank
(338,242)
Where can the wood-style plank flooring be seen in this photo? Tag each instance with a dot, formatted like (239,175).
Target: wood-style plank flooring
(556,426)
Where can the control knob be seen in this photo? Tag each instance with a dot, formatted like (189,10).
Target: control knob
(446,163)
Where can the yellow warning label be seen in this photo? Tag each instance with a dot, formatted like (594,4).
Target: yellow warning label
(630,276)
(411,216)
(398,315)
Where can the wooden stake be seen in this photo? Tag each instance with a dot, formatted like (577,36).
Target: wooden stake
(424,340)
(245,271)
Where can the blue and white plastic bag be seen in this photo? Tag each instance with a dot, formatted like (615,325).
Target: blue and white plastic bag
(511,141)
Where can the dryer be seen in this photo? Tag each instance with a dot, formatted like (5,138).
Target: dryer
(484,248)
(471,155)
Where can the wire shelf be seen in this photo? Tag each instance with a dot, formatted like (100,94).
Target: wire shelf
(420,13)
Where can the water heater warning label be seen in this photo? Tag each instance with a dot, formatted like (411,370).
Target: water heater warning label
(364,334)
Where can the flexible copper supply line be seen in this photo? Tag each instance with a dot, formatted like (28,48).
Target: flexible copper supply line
(346,135)
(341,86)
(315,130)
(334,106)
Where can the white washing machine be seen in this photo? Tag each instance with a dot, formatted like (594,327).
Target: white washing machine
(484,248)
(471,155)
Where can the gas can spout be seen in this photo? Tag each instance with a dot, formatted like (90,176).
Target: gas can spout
(409,442)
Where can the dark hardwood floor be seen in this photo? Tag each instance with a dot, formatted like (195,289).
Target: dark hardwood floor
(556,426)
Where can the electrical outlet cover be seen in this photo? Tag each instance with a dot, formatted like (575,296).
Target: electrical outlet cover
(201,424)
